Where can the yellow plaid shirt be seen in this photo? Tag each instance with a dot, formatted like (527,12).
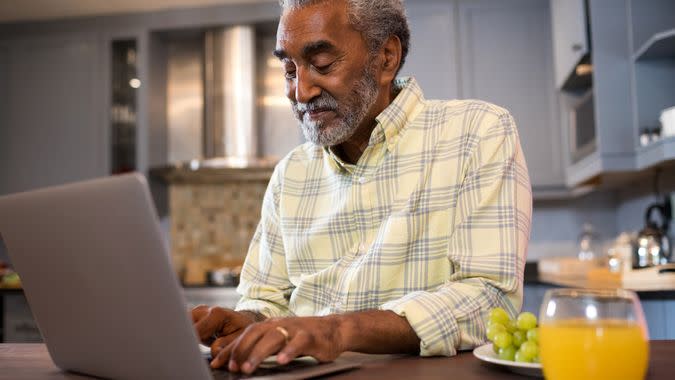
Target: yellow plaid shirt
(432,223)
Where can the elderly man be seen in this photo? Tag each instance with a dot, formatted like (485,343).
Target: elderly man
(396,227)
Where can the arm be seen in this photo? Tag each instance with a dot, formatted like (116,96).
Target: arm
(264,284)
(486,249)
(324,338)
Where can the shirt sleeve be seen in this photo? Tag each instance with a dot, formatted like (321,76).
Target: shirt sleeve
(486,248)
(264,284)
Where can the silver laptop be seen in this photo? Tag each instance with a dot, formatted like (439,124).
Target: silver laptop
(97,275)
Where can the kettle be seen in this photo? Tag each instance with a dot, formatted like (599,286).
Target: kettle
(652,243)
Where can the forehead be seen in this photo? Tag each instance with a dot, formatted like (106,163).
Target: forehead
(322,21)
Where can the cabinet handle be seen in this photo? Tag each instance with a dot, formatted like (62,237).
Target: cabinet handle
(577,47)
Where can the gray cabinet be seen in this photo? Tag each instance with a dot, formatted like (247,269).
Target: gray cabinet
(570,44)
(52,112)
(433,48)
(506,59)
(633,79)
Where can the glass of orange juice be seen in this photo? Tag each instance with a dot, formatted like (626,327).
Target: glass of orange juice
(592,334)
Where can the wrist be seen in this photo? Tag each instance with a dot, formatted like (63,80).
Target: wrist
(254,316)
(343,326)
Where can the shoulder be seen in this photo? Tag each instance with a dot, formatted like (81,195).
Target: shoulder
(473,115)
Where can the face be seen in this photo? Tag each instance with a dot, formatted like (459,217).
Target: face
(330,76)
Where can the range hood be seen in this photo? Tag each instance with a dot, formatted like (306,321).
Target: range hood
(230,134)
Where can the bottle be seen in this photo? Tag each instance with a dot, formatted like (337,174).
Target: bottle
(588,243)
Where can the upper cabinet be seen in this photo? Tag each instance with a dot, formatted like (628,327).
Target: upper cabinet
(653,59)
(51,112)
(570,37)
(613,89)
(506,58)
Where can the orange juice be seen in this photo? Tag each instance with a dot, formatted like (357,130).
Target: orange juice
(604,349)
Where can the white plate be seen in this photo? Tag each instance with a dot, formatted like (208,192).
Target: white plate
(486,354)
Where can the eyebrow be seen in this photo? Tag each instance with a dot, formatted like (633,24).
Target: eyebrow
(308,50)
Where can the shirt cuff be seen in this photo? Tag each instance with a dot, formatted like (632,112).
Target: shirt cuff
(429,316)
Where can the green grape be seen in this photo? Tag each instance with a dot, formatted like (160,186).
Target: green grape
(526,321)
(499,315)
(519,357)
(495,349)
(493,329)
(508,353)
(503,339)
(536,359)
(518,338)
(511,326)
(533,335)
(529,350)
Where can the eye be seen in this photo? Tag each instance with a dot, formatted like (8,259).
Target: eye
(290,74)
(323,68)
(289,70)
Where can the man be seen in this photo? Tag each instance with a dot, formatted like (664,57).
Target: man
(397,227)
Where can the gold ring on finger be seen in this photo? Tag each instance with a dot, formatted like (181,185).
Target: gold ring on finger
(283,332)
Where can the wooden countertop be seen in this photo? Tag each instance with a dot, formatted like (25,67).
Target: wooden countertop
(31,361)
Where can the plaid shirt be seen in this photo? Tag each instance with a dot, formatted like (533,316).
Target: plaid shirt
(432,223)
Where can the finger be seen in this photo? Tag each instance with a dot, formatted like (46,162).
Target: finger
(243,346)
(211,324)
(223,357)
(299,344)
(222,342)
(269,344)
(198,312)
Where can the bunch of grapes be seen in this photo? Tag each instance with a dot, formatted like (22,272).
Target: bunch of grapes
(514,340)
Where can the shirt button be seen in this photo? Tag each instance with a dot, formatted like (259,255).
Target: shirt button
(363,180)
(362,248)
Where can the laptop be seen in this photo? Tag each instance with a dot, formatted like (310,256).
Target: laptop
(97,275)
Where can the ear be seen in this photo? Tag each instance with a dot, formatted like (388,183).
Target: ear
(391,51)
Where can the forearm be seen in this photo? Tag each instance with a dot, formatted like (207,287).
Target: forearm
(375,332)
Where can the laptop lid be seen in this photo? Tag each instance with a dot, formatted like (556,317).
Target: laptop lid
(97,275)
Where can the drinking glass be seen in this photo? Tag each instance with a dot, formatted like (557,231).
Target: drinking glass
(593,334)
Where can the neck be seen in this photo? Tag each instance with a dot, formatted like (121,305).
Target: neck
(351,150)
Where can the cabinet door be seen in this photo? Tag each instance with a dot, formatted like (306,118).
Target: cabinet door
(52,115)
(432,57)
(506,59)
(568,19)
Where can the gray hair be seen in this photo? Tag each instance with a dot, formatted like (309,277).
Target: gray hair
(377,20)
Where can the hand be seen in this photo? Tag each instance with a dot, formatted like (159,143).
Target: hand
(314,336)
(217,326)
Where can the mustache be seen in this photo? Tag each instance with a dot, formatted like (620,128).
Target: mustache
(325,101)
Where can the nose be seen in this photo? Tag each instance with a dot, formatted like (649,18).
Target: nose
(304,88)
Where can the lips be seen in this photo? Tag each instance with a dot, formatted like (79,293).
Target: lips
(319,113)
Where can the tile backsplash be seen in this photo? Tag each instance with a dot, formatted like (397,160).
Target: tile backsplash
(212,225)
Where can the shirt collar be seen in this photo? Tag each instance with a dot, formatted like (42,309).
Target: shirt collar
(406,105)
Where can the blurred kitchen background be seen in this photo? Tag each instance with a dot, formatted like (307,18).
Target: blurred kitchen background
(188,93)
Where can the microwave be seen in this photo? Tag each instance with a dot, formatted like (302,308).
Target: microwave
(582,136)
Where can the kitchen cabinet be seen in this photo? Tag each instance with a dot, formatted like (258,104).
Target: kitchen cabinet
(653,36)
(569,32)
(610,91)
(506,59)
(433,64)
(52,113)
(633,79)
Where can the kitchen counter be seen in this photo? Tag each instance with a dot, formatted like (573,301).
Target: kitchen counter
(533,277)
(32,361)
